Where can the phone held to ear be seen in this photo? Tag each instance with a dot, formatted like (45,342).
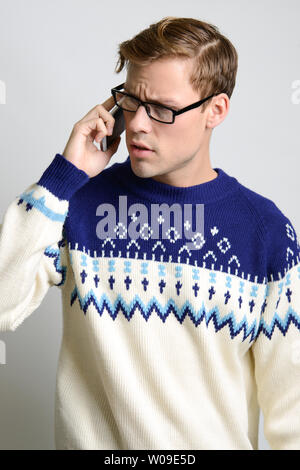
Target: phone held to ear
(119,127)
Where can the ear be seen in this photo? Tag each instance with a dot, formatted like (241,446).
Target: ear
(217,110)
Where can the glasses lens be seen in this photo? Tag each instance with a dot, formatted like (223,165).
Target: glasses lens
(128,103)
(160,113)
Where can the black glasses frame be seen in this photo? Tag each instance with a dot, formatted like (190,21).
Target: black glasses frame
(144,103)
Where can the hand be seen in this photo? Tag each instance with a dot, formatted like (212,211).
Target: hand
(80,149)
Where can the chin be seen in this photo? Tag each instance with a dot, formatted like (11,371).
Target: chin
(142,167)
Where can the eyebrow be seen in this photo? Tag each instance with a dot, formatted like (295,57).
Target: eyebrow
(162,102)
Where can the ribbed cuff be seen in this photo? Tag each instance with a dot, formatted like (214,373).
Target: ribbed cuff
(62,178)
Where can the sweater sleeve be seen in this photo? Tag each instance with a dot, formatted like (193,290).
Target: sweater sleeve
(32,241)
(276,349)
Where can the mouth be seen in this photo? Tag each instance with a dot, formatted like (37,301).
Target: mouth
(140,151)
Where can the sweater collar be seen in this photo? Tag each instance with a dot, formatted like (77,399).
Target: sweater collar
(210,191)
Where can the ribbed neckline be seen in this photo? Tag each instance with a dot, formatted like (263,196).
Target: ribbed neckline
(153,190)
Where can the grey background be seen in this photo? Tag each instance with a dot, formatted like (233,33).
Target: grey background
(57,60)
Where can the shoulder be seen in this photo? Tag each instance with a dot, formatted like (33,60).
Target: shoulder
(281,245)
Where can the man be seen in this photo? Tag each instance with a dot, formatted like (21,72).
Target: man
(173,335)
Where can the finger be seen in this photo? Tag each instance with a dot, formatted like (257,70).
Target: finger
(109,103)
(101,110)
(89,128)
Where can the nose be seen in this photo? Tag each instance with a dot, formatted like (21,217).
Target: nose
(140,121)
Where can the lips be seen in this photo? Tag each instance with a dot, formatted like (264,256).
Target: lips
(139,152)
(140,145)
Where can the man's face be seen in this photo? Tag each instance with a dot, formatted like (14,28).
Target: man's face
(175,145)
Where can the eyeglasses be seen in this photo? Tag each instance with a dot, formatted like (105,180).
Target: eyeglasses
(155,111)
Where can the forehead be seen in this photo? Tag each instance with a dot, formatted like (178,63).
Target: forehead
(165,81)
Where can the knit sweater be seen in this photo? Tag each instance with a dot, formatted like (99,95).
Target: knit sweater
(173,337)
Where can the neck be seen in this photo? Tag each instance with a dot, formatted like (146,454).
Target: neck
(190,174)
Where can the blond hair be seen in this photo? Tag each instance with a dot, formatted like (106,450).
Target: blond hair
(215,58)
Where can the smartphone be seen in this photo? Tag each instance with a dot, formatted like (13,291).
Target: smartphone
(119,127)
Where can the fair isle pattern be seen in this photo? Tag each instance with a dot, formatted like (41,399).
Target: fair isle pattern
(203,295)
(217,292)
(55,254)
(220,258)
(286,295)
(214,252)
(39,202)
